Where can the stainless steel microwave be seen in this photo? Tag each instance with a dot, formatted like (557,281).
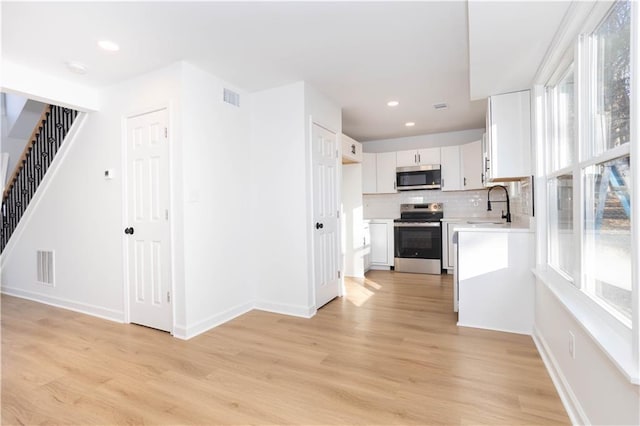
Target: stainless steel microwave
(418,177)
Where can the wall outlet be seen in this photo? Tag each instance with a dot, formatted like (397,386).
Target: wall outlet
(572,345)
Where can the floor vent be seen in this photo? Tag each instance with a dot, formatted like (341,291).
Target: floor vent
(231,97)
(45,267)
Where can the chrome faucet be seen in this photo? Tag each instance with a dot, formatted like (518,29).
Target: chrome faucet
(508,215)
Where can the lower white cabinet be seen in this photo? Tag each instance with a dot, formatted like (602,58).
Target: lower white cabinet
(366,246)
(496,289)
(381,253)
(448,254)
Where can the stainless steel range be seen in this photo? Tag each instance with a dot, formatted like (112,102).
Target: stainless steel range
(418,239)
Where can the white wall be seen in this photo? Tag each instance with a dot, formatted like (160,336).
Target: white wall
(322,111)
(79,216)
(594,389)
(33,84)
(281,225)
(217,221)
(277,242)
(423,141)
(352,220)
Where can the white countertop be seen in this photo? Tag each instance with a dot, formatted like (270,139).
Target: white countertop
(492,227)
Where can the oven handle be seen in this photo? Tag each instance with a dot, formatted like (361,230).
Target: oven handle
(416,224)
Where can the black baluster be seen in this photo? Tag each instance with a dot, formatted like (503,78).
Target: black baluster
(52,134)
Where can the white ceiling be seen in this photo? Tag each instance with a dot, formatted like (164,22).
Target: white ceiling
(359,54)
(509,40)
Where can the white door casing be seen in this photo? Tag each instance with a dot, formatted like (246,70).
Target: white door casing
(148,239)
(325,215)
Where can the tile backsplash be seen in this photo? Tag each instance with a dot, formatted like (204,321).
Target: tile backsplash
(455,203)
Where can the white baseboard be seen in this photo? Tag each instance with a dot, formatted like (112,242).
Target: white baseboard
(187,332)
(284,309)
(379,268)
(503,330)
(568,398)
(58,302)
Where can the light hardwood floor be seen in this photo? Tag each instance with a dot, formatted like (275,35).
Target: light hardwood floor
(388,353)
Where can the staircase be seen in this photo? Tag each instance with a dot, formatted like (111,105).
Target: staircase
(41,149)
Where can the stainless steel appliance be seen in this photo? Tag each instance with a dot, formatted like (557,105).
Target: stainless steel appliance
(418,177)
(418,238)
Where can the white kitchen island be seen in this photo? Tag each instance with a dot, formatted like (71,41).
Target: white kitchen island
(494,278)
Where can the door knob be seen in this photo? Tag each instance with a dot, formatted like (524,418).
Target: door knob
(319,225)
(129,230)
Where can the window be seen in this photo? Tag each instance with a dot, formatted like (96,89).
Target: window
(561,143)
(592,190)
(606,222)
(607,235)
(560,217)
(610,64)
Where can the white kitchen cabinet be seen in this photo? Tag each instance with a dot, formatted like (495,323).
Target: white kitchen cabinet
(366,246)
(418,157)
(471,165)
(509,136)
(381,253)
(369,163)
(385,172)
(448,254)
(379,173)
(462,167)
(351,150)
(451,173)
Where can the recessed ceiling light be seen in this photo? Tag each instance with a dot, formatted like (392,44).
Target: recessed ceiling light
(76,67)
(441,106)
(409,124)
(108,45)
(393,103)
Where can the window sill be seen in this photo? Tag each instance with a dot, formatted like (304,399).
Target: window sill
(612,337)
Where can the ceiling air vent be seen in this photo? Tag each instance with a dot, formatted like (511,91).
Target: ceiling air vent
(231,97)
(45,267)
(440,107)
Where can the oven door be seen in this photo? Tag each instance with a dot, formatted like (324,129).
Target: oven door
(418,247)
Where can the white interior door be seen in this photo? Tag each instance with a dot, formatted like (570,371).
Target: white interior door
(147,228)
(325,215)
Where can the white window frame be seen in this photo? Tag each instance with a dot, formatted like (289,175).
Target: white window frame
(620,342)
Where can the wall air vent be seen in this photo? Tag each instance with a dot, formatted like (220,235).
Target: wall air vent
(231,97)
(45,268)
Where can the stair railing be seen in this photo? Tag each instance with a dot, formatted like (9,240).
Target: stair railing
(39,152)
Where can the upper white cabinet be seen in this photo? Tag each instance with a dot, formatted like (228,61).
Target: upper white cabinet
(471,165)
(418,157)
(351,150)
(461,167)
(508,138)
(386,172)
(450,172)
(369,164)
(379,173)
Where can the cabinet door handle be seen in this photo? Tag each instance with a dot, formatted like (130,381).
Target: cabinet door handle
(415,158)
(464,181)
(353,149)
(419,160)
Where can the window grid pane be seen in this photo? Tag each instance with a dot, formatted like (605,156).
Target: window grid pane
(607,234)
(610,117)
(561,253)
